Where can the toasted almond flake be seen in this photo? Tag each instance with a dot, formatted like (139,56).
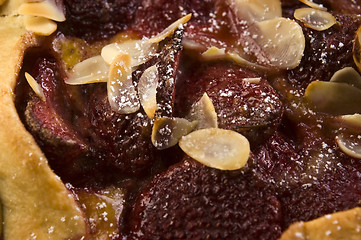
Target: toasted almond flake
(333,97)
(244,62)
(166,131)
(220,53)
(252,80)
(217,148)
(353,120)
(214,53)
(170,29)
(335,226)
(258,10)
(147,90)
(204,113)
(281,40)
(91,70)
(121,92)
(47,9)
(347,75)
(139,50)
(193,45)
(35,86)
(351,145)
(357,49)
(315,19)
(313,5)
(39,25)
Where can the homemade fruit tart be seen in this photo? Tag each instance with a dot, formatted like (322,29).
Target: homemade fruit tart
(185,119)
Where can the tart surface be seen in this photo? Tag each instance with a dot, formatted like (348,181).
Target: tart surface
(92,113)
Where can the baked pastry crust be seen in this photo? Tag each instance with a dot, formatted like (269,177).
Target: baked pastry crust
(32,196)
(337,226)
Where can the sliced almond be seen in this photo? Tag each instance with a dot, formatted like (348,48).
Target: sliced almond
(357,49)
(147,90)
(313,5)
(47,9)
(217,148)
(121,91)
(281,40)
(353,121)
(214,53)
(192,45)
(204,113)
(335,226)
(347,75)
(315,19)
(258,10)
(167,131)
(40,25)
(170,29)
(252,80)
(91,70)
(139,50)
(333,97)
(244,62)
(35,86)
(350,144)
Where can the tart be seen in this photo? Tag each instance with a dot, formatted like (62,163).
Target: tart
(190,119)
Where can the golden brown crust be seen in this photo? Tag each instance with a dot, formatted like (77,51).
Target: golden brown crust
(33,197)
(337,226)
(9,7)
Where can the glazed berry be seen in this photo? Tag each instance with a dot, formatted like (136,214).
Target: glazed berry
(251,108)
(191,201)
(326,52)
(95,20)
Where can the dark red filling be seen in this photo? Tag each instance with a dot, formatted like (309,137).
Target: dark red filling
(191,201)
(296,170)
(253,109)
(98,19)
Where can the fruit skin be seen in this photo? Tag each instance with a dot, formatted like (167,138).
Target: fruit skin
(326,52)
(212,22)
(97,20)
(81,137)
(192,201)
(120,141)
(343,6)
(284,172)
(308,186)
(85,141)
(50,121)
(155,15)
(252,109)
